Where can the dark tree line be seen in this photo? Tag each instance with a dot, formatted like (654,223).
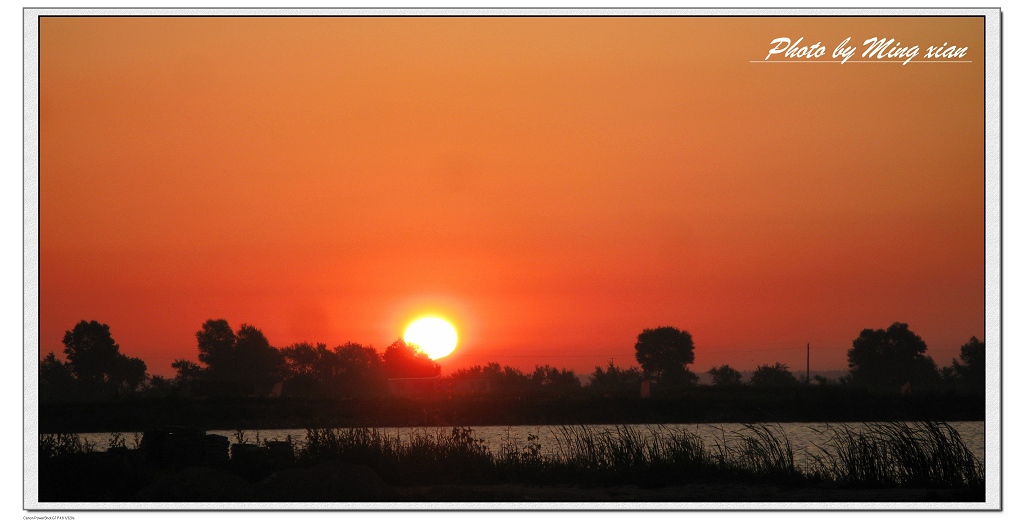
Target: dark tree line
(230,363)
(663,353)
(345,371)
(891,359)
(616,381)
(509,380)
(244,363)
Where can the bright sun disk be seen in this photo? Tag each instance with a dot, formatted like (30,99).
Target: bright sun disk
(434,336)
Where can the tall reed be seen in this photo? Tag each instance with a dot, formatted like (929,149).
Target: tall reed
(766,452)
(893,454)
(886,454)
(58,444)
(425,457)
(628,454)
(929,454)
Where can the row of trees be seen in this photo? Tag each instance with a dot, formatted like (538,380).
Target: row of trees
(883,359)
(665,354)
(244,363)
(777,375)
(509,380)
(231,363)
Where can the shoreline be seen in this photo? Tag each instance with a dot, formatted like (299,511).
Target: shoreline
(699,406)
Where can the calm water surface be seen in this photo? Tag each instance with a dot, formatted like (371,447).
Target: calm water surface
(806,439)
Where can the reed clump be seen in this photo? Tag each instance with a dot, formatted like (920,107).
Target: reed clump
(892,454)
(629,455)
(424,458)
(766,453)
(60,444)
(885,455)
(929,454)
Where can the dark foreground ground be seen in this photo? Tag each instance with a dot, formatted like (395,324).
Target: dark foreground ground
(338,482)
(698,492)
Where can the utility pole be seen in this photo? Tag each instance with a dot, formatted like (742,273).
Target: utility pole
(808,379)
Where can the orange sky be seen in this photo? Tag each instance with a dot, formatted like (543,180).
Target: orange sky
(551,185)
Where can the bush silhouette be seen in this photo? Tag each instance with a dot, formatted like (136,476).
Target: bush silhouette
(724,376)
(777,375)
(616,380)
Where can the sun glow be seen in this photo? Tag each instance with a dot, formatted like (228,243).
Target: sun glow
(434,336)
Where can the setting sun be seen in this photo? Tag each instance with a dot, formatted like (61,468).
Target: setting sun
(434,336)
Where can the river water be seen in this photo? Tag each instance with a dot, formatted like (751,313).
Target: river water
(805,439)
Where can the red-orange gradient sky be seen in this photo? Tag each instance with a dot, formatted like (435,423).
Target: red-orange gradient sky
(551,185)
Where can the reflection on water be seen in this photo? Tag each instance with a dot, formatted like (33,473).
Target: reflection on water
(806,439)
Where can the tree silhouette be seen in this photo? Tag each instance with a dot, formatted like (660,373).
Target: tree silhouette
(664,353)
(260,365)
(187,371)
(347,370)
(476,372)
(56,382)
(244,363)
(159,387)
(725,375)
(358,370)
(129,373)
(513,380)
(405,360)
(303,358)
(91,351)
(96,361)
(889,359)
(216,342)
(970,372)
(777,375)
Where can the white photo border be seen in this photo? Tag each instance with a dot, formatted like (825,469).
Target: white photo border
(993,257)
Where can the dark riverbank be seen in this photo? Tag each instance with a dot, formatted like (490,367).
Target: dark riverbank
(698,405)
(881,462)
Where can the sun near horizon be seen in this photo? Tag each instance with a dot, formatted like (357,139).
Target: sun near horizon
(434,336)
